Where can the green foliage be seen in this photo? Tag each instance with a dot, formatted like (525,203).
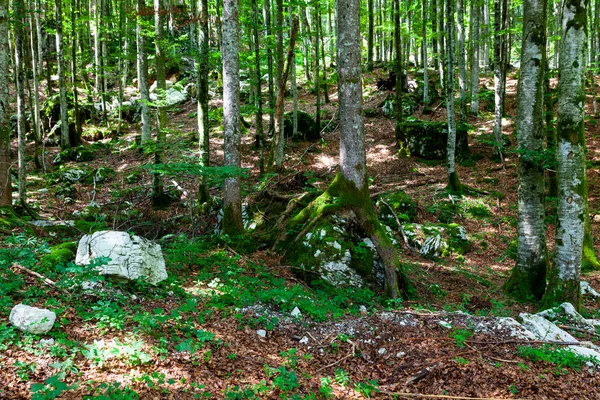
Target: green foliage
(51,389)
(367,388)
(561,356)
(112,391)
(460,336)
(130,352)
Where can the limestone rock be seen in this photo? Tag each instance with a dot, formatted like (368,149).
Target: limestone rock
(32,319)
(544,329)
(428,139)
(131,257)
(566,313)
(586,289)
(436,240)
(172,97)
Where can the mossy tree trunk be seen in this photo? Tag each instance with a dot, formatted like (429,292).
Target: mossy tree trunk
(5,181)
(19,13)
(563,282)
(158,197)
(143,73)
(528,277)
(232,196)
(202,85)
(454,185)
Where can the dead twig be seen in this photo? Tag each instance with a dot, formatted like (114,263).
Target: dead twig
(351,354)
(436,396)
(37,275)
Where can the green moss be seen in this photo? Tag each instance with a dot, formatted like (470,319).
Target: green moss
(527,286)
(560,291)
(232,223)
(61,253)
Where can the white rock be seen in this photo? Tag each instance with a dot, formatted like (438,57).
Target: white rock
(47,342)
(152,89)
(587,289)
(304,340)
(445,324)
(262,333)
(131,257)
(400,354)
(544,329)
(382,351)
(363,310)
(172,97)
(593,355)
(32,319)
(296,313)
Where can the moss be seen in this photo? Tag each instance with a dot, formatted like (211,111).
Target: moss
(428,139)
(527,286)
(61,253)
(232,223)
(454,186)
(559,291)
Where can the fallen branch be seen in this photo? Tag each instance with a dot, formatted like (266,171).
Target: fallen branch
(437,396)
(37,275)
(343,358)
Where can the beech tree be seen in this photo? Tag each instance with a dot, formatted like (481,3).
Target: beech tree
(563,279)
(202,85)
(453,180)
(232,196)
(529,275)
(5,181)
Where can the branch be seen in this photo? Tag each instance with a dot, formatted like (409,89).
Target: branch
(40,276)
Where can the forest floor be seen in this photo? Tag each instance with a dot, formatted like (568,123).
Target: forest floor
(221,325)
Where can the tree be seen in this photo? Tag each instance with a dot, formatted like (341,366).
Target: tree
(462,70)
(528,277)
(563,282)
(475,17)
(424,49)
(5,181)
(500,25)
(143,73)
(454,185)
(232,196)
(370,35)
(202,85)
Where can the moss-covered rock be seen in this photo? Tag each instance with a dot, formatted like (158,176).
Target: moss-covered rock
(402,206)
(104,174)
(335,252)
(78,154)
(306,127)
(73,175)
(428,139)
(58,254)
(436,240)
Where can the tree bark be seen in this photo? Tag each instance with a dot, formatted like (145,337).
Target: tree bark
(158,197)
(19,13)
(424,50)
(143,74)
(232,196)
(475,64)
(64,120)
(259,135)
(528,278)
(462,70)
(563,283)
(370,35)
(454,185)
(5,163)
(499,67)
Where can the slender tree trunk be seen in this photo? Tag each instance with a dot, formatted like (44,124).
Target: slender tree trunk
(424,48)
(499,66)
(158,197)
(294,86)
(563,283)
(260,139)
(5,162)
(267,18)
(202,85)
(323,61)
(398,67)
(486,34)
(317,74)
(306,41)
(551,139)
(232,195)
(475,64)
(529,275)
(370,35)
(36,119)
(462,70)
(143,74)
(454,185)
(278,114)
(64,121)
(434,30)
(76,140)
(442,44)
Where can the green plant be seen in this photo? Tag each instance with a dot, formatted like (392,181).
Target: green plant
(23,369)
(562,357)
(460,336)
(367,388)
(112,391)
(130,351)
(461,361)
(325,389)
(342,377)
(51,389)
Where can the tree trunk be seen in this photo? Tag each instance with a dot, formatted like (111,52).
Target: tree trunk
(19,12)
(36,119)
(462,70)
(563,283)
(528,278)
(267,18)
(486,34)
(232,195)
(442,44)
(424,49)
(64,121)
(475,64)
(317,74)
(454,185)
(259,135)
(434,30)
(370,35)
(202,85)
(143,74)
(398,64)
(5,181)
(158,197)
(499,66)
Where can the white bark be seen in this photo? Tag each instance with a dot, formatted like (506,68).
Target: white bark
(143,75)
(352,146)
(475,66)
(5,186)
(64,121)
(462,70)
(451,145)
(571,142)
(232,200)
(424,45)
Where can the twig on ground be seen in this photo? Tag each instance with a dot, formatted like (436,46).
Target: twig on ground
(437,396)
(37,275)
(351,354)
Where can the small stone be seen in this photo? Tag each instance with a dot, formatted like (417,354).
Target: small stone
(304,340)
(262,333)
(47,342)
(445,324)
(587,289)
(400,354)
(296,313)
(363,310)
(32,319)
(382,351)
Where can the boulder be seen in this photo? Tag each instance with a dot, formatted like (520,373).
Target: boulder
(172,97)
(306,127)
(131,257)
(32,319)
(337,253)
(428,139)
(154,86)
(544,329)
(566,313)
(587,289)
(436,240)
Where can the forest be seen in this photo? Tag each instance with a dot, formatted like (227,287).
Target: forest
(299,199)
